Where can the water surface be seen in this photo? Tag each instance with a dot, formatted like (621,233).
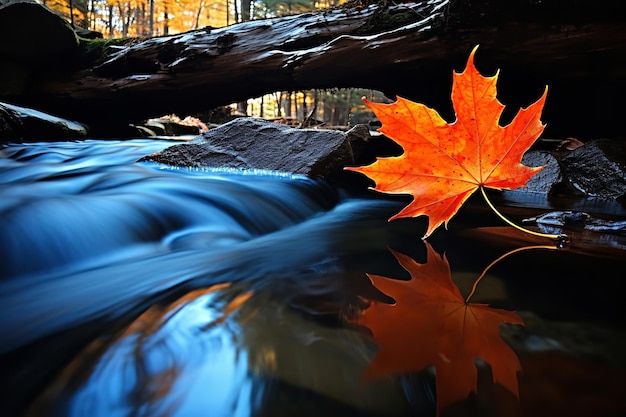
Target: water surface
(138,289)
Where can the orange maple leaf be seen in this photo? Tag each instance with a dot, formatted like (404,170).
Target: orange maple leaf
(431,324)
(443,164)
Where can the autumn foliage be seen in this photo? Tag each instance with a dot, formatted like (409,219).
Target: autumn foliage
(444,163)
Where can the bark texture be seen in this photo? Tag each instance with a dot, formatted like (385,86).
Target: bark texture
(575,47)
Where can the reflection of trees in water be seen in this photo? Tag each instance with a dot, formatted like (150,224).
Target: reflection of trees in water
(303,354)
(139,368)
(257,348)
(153,384)
(275,343)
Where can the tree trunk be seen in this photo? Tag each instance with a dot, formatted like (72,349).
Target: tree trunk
(576,47)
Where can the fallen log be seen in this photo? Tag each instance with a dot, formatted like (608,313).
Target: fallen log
(576,47)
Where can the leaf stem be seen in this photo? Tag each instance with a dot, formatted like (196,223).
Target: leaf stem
(482,275)
(561,238)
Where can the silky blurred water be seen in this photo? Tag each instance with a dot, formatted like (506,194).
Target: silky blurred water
(91,239)
(139,289)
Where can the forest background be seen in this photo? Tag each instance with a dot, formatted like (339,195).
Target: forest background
(116,19)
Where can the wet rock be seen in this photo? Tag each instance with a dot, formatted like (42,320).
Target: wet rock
(248,143)
(24,124)
(595,169)
(598,169)
(556,220)
(165,127)
(589,177)
(549,177)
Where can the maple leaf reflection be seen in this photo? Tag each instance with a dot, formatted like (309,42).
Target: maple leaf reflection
(431,324)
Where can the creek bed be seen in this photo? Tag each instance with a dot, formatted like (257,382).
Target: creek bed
(138,289)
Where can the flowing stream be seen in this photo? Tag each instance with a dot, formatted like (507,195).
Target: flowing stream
(138,289)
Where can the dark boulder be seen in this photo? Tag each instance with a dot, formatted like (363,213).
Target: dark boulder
(549,177)
(33,34)
(598,169)
(248,143)
(21,124)
(595,170)
(35,44)
(576,185)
